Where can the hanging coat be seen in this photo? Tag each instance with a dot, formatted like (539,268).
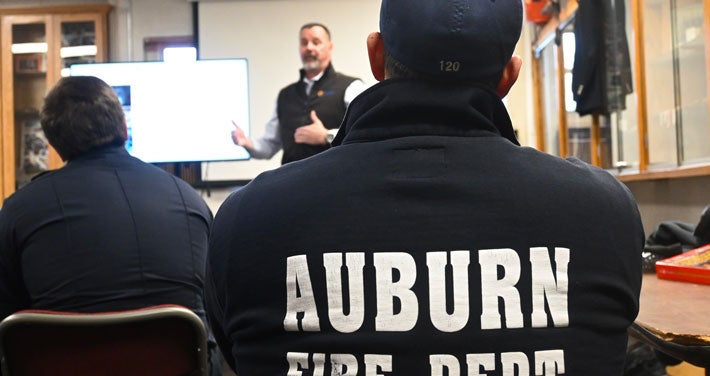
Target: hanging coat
(601,75)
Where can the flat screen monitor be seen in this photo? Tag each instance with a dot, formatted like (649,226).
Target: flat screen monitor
(179,111)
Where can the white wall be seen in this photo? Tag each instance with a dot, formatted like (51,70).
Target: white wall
(131,21)
(266,33)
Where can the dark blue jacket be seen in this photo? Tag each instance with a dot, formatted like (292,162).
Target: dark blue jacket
(106,232)
(426,239)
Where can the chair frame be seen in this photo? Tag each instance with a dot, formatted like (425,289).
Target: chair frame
(60,319)
(695,354)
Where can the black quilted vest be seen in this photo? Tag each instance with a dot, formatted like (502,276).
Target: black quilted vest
(294,108)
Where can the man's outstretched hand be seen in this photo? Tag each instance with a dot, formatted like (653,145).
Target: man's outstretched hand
(312,134)
(239,138)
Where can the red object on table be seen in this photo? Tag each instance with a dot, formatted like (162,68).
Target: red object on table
(690,266)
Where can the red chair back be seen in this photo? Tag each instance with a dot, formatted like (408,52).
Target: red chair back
(160,340)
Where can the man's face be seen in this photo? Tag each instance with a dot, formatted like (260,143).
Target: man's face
(315,48)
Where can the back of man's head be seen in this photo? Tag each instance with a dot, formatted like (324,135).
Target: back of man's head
(80,114)
(450,40)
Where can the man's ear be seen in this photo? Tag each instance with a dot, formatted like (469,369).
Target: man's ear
(376,52)
(510,75)
(125,129)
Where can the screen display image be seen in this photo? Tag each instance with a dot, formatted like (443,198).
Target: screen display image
(179,111)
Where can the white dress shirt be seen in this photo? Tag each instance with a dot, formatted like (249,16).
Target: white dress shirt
(270,143)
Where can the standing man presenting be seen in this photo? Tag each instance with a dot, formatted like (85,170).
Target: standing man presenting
(309,111)
(427,241)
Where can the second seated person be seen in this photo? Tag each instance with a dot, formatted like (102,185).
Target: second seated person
(309,111)
(427,240)
(106,232)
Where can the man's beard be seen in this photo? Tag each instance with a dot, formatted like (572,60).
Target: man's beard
(312,65)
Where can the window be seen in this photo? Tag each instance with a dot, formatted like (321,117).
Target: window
(676,83)
(662,129)
(179,54)
(154,48)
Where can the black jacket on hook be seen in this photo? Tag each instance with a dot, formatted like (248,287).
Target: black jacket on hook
(601,76)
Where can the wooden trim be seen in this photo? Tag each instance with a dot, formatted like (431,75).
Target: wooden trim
(53,74)
(706,28)
(57,9)
(672,173)
(7,88)
(549,30)
(561,103)
(545,36)
(595,141)
(640,68)
(538,103)
(7,129)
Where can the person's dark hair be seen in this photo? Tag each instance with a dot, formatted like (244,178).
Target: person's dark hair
(396,69)
(80,114)
(314,24)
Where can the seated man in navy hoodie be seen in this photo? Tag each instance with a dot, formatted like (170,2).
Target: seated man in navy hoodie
(106,232)
(427,241)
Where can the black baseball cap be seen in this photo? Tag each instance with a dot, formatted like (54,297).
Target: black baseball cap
(452,39)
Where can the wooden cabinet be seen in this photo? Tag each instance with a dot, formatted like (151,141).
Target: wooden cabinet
(38,45)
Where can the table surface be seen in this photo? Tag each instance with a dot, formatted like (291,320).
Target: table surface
(675,311)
